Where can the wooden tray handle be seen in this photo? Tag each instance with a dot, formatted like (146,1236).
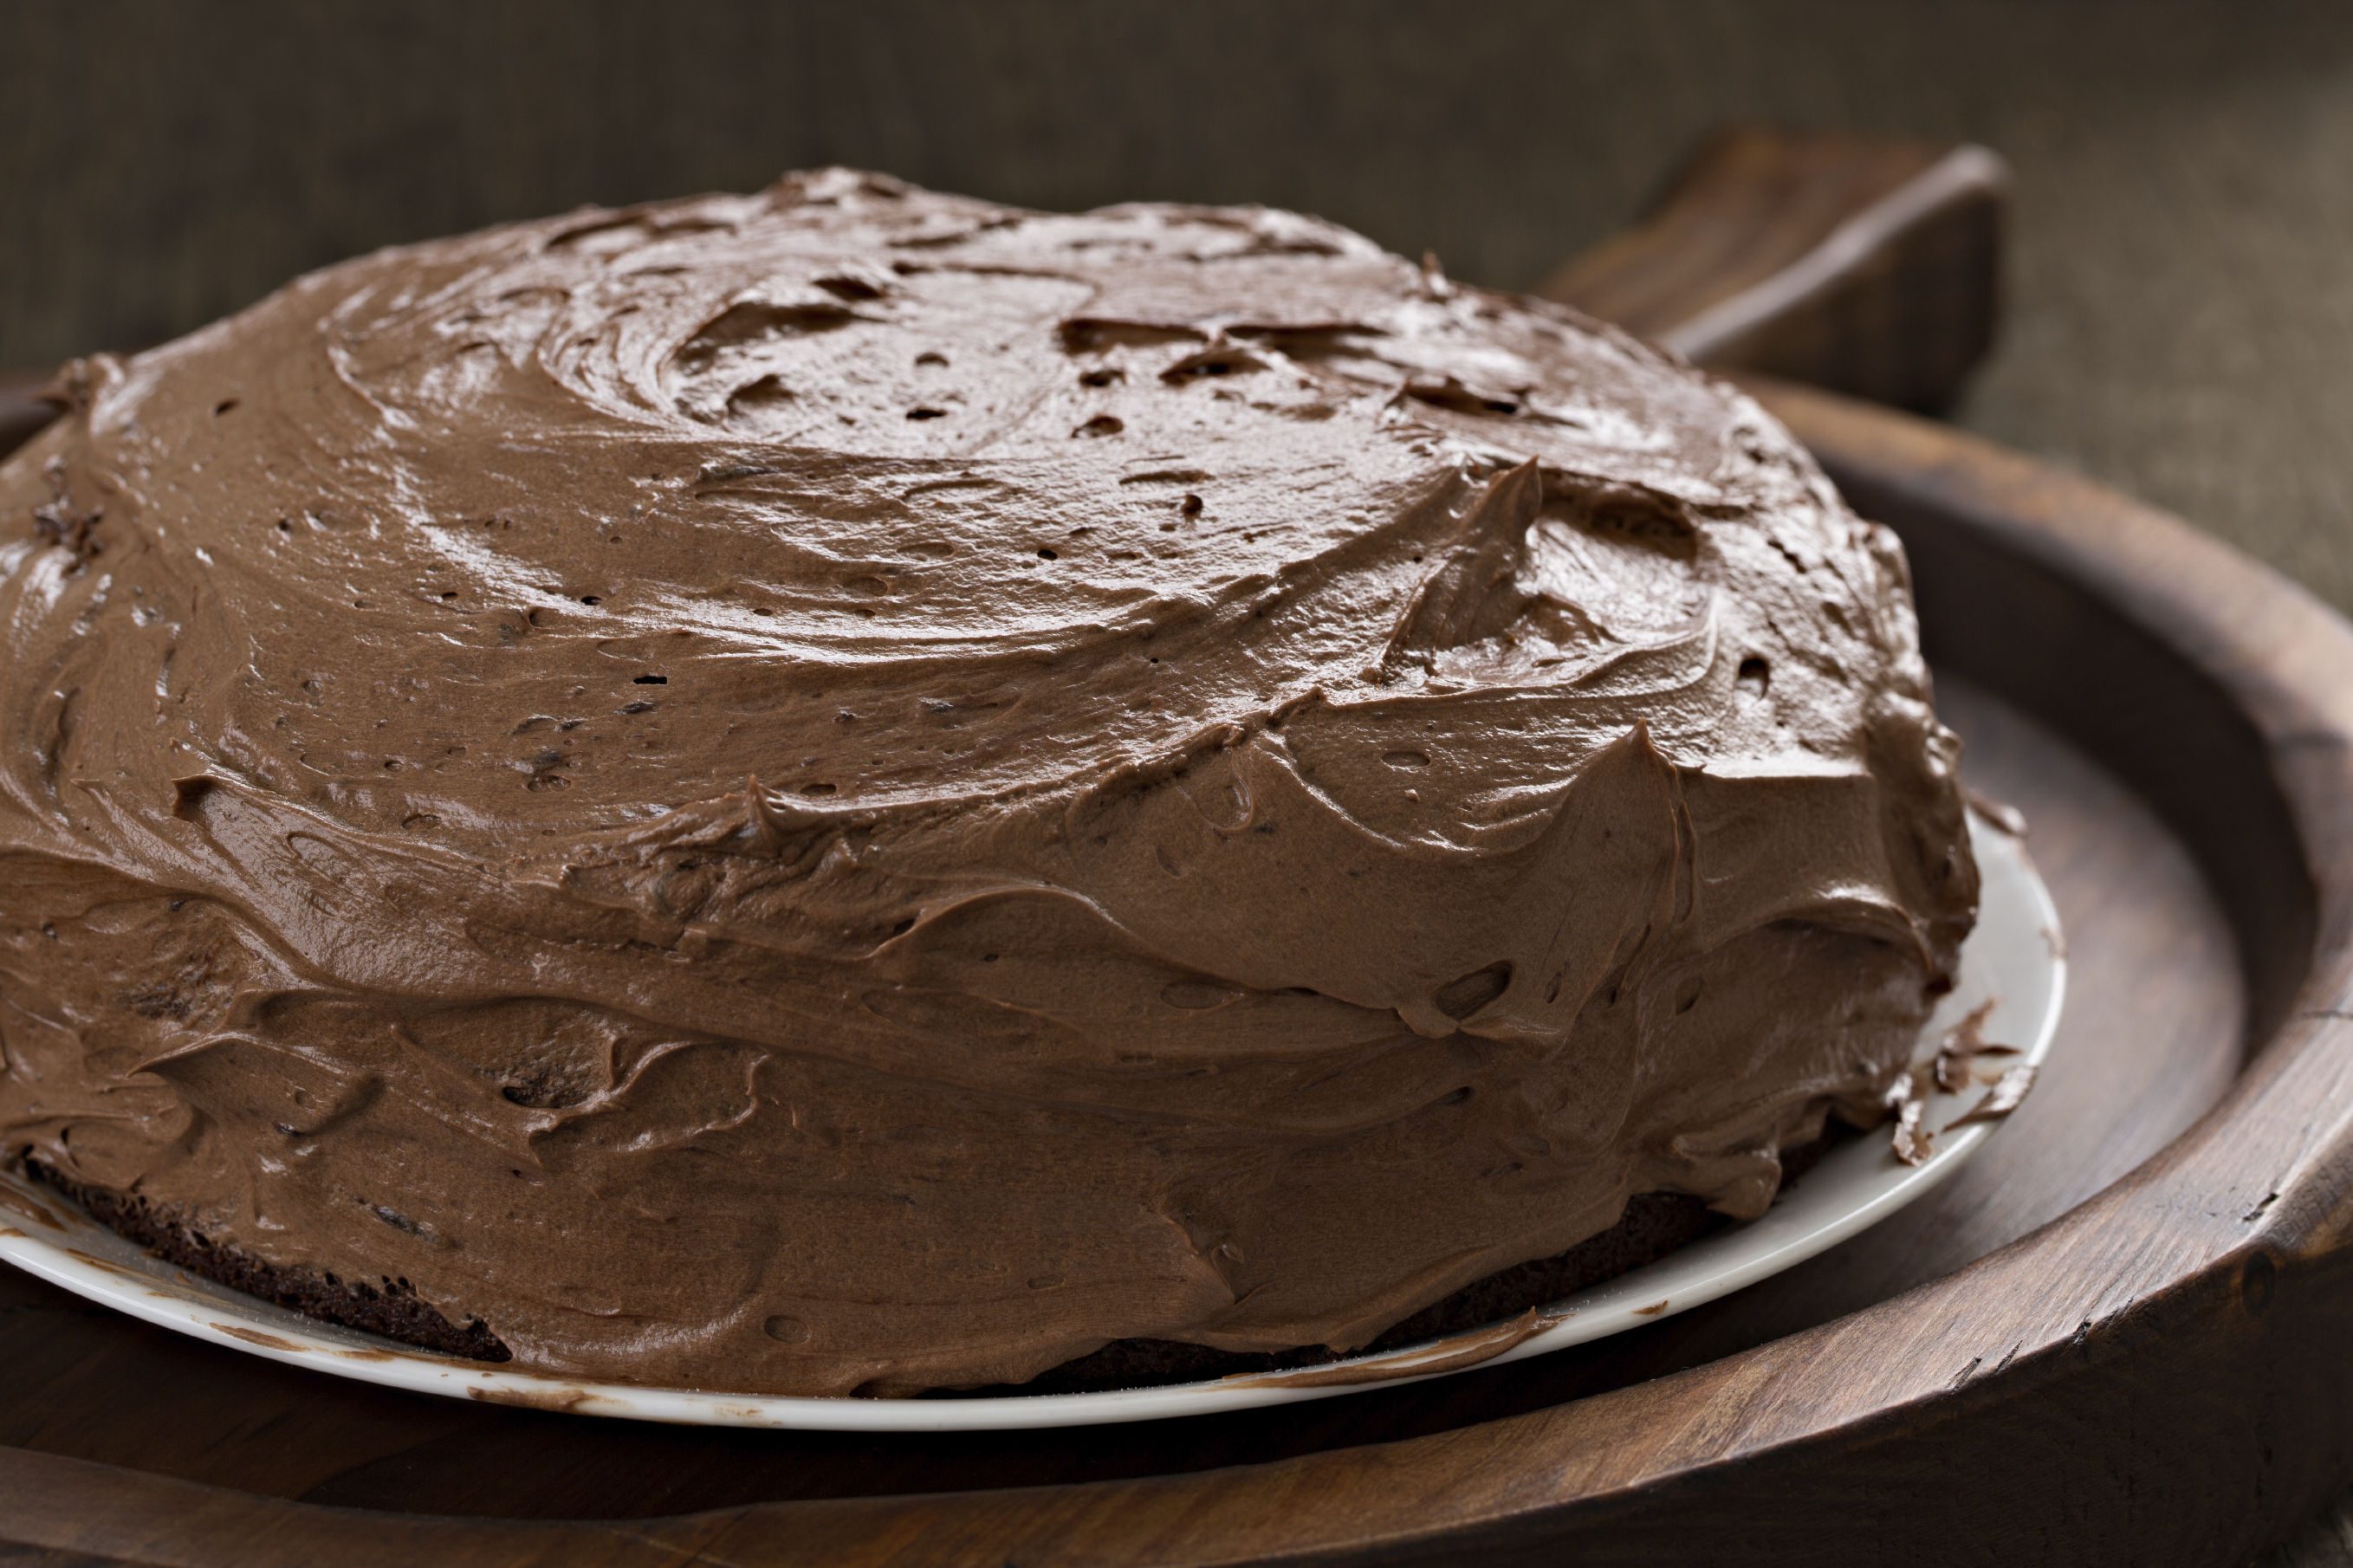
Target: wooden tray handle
(1864,266)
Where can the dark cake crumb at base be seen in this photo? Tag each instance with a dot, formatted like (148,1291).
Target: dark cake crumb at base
(390,1308)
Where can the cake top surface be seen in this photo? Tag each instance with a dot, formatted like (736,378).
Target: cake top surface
(880,497)
(1164,667)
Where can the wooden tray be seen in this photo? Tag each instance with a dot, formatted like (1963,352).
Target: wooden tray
(2114,1337)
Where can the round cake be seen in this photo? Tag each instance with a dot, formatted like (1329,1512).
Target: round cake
(850,790)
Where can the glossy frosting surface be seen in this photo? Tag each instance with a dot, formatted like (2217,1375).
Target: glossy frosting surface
(855,789)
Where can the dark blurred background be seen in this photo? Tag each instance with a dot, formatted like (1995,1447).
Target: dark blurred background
(2180,279)
(2181,318)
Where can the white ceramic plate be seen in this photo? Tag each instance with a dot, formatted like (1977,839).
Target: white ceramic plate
(2015,957)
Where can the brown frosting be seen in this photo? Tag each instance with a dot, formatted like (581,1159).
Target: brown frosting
(854,789)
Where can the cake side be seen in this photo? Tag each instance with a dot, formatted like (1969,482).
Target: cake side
(851,789)
(388,1307)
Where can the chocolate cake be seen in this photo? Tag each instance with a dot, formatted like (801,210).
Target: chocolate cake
(850,790)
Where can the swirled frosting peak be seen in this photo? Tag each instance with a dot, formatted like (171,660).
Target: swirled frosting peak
(854,789)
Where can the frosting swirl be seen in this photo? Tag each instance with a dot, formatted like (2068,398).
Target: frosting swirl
(851,789)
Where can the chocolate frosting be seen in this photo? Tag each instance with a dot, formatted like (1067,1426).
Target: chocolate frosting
(850,789)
